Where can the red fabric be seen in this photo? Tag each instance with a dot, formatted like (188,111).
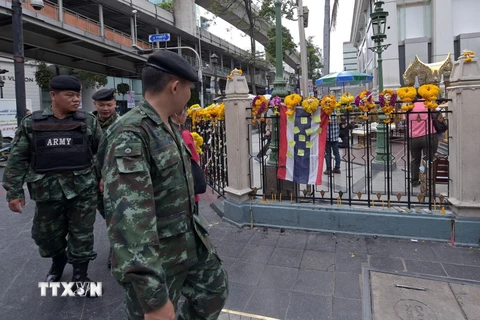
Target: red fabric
(282,150)
(188,139)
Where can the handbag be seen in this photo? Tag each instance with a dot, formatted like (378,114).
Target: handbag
(199,182)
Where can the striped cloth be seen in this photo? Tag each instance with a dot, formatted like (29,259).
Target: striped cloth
(302,146)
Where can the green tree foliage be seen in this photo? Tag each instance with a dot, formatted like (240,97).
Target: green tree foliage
(314,60)
(123,88)
(267,10)
(288,45)
(167,5)
(43,76)
(89,79)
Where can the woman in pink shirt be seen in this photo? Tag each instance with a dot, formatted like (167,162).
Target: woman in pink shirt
(422,139)
(180,119)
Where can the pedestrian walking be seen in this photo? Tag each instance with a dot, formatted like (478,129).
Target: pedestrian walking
(161,250)
(333,132)
(53,152)
(105,104)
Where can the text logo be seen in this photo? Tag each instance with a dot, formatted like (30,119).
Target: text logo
(71,289)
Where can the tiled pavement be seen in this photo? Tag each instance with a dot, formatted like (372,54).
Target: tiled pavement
(281,275)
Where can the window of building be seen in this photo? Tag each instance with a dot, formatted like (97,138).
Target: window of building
(414,21)
(465,16)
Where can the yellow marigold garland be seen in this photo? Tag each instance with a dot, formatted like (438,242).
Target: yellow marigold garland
(346,100)
(198,142)
(194,112)
(387,99)
(259,106)
(240,72)
(429,92)
(407,95)
(291,101)
(328,104)
(468,54)
(310,104)
(365,103)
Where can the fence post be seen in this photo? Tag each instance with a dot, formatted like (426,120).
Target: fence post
(464,90)
(236,113)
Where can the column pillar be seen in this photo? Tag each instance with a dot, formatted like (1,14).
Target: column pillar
(391,61)
(232,64)
(100,18)
(132,30)
(442,29)
(464,90)
(179,44)
(157,31)
(236,113)
(60,10)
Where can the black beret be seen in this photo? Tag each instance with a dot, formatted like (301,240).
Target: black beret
(172,63)
(65,83)
(104,95)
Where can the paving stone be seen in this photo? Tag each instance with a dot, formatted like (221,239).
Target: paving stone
(320,242)
(256,253)
(467,256)
(241,235)
(315,282)
(245,272)
(383,263)
(293,240)
(432,268)
(268,238)
(285,257)
(217,233)
(349,262)
(318,260)
(228,262)
(238,296)
(350,244)
(229,248)
(462,272)
(304,306)
(269,303)
(347,285)
(278,277)
(347,309)
(468,299)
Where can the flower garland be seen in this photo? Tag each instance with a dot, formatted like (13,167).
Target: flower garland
(259,106)
(429,93)
(194,112)
(364,102)
(198,142)
(275,103)
(346,100)
(240,72)
(468,54)
(292,101)
(310,104)
(328,104)
(391,97)
(407,95)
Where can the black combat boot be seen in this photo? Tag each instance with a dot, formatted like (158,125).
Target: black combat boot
(56,270)
(82,281)
(109,262)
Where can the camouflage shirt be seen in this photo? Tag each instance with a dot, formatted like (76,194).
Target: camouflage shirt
(149,199)
(107,123)
(52,185)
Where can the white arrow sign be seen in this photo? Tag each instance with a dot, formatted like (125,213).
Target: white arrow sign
(161,37)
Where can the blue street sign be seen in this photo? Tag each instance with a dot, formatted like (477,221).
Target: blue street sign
(161,37)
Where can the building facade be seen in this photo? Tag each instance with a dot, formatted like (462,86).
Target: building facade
(349,57)
(430,29)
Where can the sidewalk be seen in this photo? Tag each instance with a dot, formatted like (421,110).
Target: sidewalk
(282,275)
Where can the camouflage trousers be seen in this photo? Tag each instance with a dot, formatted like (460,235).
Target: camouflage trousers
(204,285)
(66,224)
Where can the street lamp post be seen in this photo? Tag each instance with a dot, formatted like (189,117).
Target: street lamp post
(269,77)
(214,59)
(279,85)
(298,78)
(379,21)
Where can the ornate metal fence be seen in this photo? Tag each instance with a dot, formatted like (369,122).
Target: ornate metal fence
(363,179)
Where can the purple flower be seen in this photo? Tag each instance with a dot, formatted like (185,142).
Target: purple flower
(262,108)
(358,101)
(275,101)
(255,100)
(381,99)
(393,99)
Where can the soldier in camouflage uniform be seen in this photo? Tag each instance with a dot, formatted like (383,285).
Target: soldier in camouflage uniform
(160,248)
(105,104)
(53,152)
